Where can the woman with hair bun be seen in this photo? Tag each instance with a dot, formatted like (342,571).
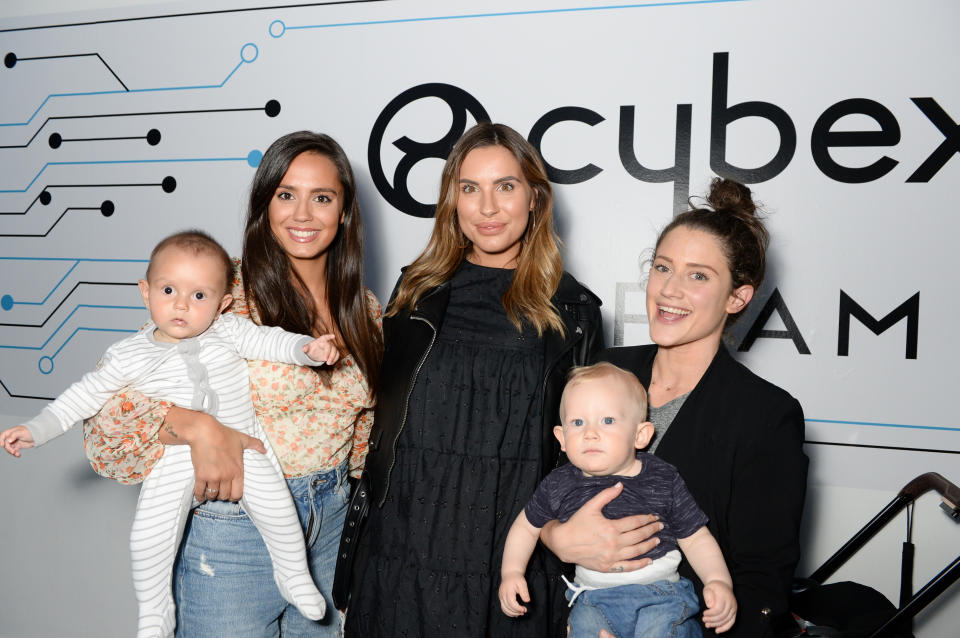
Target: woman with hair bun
(479,335)
(736,439)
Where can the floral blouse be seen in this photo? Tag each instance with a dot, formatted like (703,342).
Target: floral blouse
(311,427)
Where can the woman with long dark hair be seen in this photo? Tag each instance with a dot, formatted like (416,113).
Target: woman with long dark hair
(479,335)
(302,269)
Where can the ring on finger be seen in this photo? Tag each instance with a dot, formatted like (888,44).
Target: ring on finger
(212,490)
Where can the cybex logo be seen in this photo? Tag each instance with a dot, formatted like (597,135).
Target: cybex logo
(396,192)
(823,137)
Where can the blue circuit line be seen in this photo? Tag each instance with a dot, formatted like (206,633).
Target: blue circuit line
(142,161)
(512,13)
(83,328)
(73,312)
(77,259)
(116,91)
(76,262)
(40,303)
(886,425)
(229,75)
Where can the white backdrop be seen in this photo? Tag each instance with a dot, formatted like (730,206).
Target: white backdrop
(121,125)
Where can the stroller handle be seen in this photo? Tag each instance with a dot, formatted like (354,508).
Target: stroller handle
(932,481)
(908,494)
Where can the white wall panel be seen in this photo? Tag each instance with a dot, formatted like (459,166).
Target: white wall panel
(202,76)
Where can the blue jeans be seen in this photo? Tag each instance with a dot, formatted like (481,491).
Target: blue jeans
(658,610)
(223,578)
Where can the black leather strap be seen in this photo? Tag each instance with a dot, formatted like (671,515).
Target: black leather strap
(357,512)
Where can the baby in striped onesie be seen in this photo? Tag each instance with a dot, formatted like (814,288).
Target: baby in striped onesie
(195,357)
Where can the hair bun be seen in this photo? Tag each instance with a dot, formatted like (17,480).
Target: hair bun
(732,197)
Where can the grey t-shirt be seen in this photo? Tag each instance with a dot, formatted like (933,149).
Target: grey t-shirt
(662,417)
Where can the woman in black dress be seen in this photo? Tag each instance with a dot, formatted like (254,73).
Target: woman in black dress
(479,334)
(736,439)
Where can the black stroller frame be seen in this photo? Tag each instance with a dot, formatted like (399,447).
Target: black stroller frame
(910,604)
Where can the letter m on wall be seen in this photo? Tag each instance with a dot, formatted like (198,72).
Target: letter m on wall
(909,309)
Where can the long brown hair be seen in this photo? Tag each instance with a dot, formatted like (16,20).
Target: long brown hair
(275,287)
(539,266)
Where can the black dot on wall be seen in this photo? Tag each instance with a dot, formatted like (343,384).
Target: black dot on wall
(153,137)
(272,108)
(55,140)
(168,184)
(107,208)
(45,197)
(9,60)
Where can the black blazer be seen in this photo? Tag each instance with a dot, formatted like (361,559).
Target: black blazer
(738,443)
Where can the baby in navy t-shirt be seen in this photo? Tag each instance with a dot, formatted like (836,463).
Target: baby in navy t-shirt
(602,413)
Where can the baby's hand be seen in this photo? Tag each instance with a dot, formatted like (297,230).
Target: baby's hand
(15,439)
(322,349)
(510,588)
(721,606)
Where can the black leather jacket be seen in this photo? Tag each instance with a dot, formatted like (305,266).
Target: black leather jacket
(408,339)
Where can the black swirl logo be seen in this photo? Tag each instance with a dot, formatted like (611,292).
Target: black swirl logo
(396,190)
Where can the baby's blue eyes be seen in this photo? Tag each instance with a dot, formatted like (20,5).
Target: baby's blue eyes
(168,290)
(199,296)
(607,420)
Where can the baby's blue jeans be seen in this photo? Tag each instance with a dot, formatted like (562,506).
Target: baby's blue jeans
(658,610)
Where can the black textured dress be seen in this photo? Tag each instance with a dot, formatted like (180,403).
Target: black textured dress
(468,459)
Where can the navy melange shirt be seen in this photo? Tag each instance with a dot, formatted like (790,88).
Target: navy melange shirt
(657,489)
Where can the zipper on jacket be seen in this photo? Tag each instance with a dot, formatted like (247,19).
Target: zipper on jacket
(551,365)
(406,407)
(546,371)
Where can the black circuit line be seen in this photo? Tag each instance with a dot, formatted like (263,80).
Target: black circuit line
(65,211)
(77,55)
(22,396)
(94,185)
(885,447)
(82,117)
(102,139)
(28,207)
(64,300)
(48,186)
(195,13)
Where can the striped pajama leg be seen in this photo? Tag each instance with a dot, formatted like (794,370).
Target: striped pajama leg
(268,503)
(165,500)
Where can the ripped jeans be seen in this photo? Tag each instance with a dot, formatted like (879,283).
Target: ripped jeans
(223,578)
